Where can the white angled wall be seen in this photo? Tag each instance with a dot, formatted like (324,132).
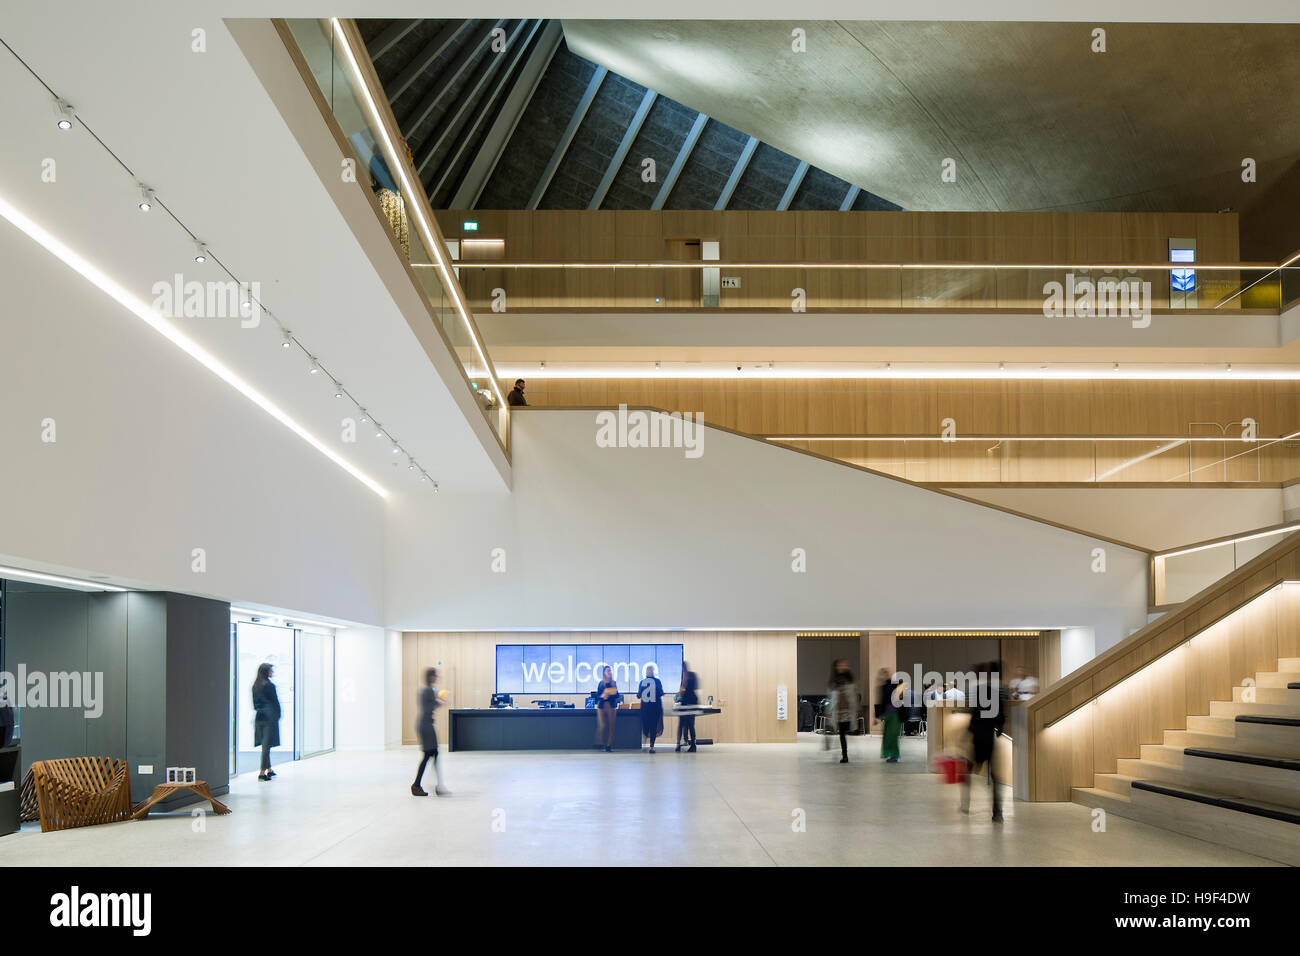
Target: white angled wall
(155,456)
(645,538)
(361,688)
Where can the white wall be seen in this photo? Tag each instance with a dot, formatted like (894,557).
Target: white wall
(645,538)
(156,456)
(361,689)
(1078,646)
(1155,518)
(393,688)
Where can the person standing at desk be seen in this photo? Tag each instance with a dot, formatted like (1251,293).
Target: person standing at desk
(430,700)
(651,692)
(607,698)
(689,697)
(266,718)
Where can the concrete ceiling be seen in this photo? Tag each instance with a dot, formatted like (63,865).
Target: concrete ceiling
(1033,118)
(203,132)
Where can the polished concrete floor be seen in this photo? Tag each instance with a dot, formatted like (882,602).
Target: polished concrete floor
(730,804)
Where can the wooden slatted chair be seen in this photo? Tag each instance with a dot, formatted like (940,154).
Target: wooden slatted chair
(76,792)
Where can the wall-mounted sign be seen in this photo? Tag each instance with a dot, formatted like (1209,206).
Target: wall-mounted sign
(780,702)
(731,282)
(470,226)
(576,668)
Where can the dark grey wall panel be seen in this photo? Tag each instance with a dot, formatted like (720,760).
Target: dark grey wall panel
(106,654)
(146,683)
(198,688)
(814,657)
(47,632)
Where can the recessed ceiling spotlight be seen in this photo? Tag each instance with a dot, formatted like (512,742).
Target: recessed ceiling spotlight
(146,198)
(66,113)
(200,253)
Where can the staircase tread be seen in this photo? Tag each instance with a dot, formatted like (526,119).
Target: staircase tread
(1238,756)
(1239,804)
(1096,791)
(1268,719)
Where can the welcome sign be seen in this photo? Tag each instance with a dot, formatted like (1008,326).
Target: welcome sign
(576,668)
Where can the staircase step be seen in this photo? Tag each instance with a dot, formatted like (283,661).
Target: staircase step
(1093,797)
(1276,736)
(1188,738)
(1116,783)
(1150,770)
(1265,830)
(1212,725)
(1163,754)
(1222,708)
(1268,695)
(1260,777)
(1276,678)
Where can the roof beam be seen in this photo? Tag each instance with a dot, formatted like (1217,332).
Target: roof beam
(466,99)
(422,60)
(738,170)
(683,155)
(447,79)
(520,48)
(562,147)
(620,154)
(512,110)
(850,198)
(390,38)
(796,181)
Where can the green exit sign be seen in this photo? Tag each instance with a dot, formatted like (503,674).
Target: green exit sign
(470,226)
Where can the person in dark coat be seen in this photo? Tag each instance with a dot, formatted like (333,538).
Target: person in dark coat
(987,717)
(6,720)
(430,699)
(516,395)
(651,692)
(266,718)
(688,697)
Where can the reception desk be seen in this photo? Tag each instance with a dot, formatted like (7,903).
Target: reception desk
(535,728)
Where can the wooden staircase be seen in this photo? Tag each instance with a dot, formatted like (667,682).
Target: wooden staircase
(1230,777)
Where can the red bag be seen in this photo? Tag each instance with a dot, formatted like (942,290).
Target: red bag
(952,768)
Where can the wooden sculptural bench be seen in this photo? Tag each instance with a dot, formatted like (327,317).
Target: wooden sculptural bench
(76,792)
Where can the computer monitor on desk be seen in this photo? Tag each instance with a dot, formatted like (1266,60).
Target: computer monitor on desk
(502,700)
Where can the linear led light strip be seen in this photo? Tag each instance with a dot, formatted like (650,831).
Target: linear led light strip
(1293,526)
(713,264)
(42,578)
(645,370)
(396,164)
(1011,438)
(109,287)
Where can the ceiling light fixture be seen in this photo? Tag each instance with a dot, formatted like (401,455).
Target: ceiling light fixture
(146,198)
(338,390)
(288,339)
(142,311)
(200,253)
(364,417)
(314,368)
(66,113)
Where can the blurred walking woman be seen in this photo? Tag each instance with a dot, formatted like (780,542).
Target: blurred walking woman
(430,699)
(651,692)
(266,718)
(606,709)
(844,703)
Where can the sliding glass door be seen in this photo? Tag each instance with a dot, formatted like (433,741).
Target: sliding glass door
(302,665)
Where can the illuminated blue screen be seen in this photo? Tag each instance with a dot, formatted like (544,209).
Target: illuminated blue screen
(545,669)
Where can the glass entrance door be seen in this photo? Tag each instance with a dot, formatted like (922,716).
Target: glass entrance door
(258,644)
